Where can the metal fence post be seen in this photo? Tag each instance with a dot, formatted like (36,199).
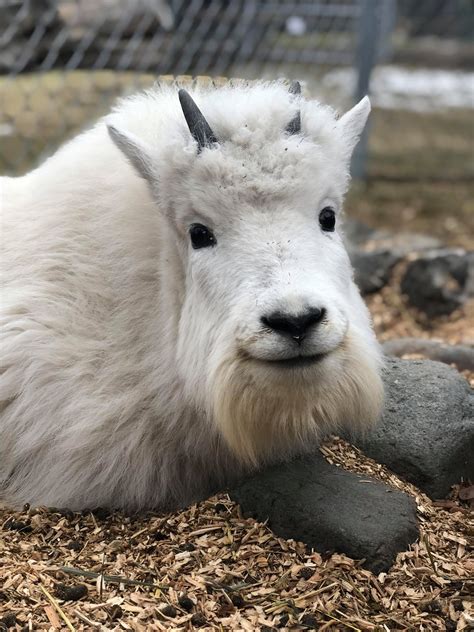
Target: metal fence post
(366,56)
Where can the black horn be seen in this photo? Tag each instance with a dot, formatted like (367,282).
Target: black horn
(295,87)
(198,126)
(294,126)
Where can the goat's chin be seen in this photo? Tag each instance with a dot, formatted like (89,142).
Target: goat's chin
(268,413)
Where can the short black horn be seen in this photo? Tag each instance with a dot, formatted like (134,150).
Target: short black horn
(294,126)
(295,87)
(198,126)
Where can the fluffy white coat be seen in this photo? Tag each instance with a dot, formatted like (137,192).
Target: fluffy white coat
(135,370)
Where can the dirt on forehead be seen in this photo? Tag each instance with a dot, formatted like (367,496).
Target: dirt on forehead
(289,173)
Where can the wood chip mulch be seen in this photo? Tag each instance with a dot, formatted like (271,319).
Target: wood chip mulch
(208,568)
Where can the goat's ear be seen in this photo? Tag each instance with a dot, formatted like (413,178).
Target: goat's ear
(135,150)
(352,123)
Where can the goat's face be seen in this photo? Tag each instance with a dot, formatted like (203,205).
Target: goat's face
(274,340)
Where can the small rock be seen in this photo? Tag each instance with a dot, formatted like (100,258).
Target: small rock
(372,269)
(8,621)
(198,619)
(329,508)
(309,621)
(74,545)
(188,546)
(70,593)
(426,434)
(18,525)
(439,281)
(374,253)
(169,611)
(306,572)
(115,612)
(434,607)
(186,603)
(237,600)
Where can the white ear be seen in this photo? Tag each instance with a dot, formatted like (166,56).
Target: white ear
(352,123)
(135,150)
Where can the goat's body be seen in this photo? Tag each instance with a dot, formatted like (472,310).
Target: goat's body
(93,409)
(86,406)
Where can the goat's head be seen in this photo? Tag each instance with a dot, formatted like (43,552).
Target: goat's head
(274,341)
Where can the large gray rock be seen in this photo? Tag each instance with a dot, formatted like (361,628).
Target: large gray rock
(331,509)
(426,434)
(439,281)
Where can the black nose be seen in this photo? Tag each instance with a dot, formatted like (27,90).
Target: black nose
(294,326)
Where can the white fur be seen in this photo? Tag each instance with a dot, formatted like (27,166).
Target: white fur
(135,371)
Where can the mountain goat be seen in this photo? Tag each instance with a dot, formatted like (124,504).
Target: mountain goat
(177,306)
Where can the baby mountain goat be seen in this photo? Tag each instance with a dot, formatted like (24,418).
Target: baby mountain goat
(177,306)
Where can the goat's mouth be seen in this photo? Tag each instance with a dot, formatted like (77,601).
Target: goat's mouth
(296,361)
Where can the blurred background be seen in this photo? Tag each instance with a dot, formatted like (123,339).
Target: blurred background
(64,62)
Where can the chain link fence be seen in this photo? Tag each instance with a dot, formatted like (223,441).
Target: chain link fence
(64,62)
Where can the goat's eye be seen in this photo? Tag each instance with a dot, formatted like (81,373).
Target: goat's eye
(327,219)
(201,237)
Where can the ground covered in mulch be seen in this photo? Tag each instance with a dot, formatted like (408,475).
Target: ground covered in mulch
(209,568)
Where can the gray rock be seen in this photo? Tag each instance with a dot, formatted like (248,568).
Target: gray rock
(372,269)
(460,355)
(426,434)
(374,253)
(439,281)
(331,509)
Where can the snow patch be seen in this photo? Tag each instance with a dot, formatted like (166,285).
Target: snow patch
(423,90)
